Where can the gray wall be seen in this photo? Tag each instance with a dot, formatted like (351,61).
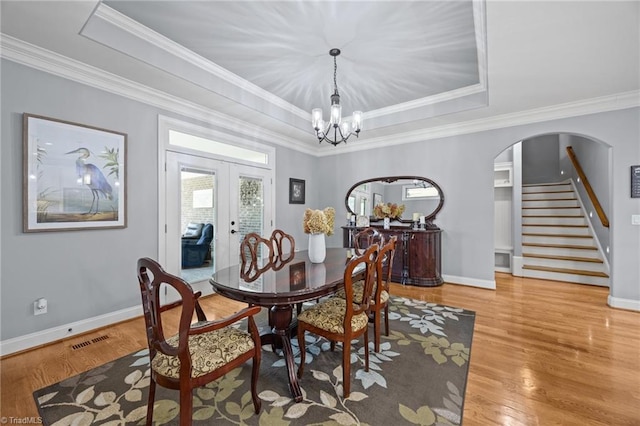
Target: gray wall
(288,217)
(463,167)
(540,161)
(595,160)
(84,274)
(89,273)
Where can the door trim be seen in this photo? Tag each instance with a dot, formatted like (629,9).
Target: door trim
(165,125)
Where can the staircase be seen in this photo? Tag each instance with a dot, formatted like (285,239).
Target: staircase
(557,243)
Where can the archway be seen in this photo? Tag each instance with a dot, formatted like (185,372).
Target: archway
(553,230)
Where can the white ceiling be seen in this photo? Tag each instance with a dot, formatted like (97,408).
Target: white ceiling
(413,67)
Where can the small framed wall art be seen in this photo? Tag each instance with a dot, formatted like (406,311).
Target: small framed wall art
(296,191)
(635,181)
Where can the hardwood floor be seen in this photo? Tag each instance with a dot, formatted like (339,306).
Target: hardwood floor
(543,353)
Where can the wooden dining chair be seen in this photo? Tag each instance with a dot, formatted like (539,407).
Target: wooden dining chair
(256,256)
(380,294)
(342,319)
(380,300)
(200,352)
(284,247)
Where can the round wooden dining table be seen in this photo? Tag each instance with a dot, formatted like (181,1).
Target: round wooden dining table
(280,287)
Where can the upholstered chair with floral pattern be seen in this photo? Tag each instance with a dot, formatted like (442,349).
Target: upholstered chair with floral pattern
(200,352)
(342,319)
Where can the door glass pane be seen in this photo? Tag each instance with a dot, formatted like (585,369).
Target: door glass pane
(251,207)
(198,217)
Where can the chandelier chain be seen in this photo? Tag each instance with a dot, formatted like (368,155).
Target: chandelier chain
(335,75)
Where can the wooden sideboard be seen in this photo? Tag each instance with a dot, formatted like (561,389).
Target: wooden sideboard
(417,258)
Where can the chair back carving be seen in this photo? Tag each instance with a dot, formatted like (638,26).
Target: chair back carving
(365,238)
(151,276)
(364,264)
(384,265)
(284,247)
(253,261)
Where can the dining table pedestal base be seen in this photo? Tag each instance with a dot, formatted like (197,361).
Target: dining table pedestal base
(280,320)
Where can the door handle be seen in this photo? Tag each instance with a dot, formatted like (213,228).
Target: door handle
(233,231)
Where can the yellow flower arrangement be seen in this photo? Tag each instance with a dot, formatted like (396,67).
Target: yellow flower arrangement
(390,210)
(319,221)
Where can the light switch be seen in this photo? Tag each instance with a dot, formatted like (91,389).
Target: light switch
(635,219)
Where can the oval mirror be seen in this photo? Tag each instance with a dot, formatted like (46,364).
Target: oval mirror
(419,195)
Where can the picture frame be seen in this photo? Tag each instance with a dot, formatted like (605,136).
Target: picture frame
(377,199)
(297,276)
(74,176)
(296,191)
(362,221)
(635,181)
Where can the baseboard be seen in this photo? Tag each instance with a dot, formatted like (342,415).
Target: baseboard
(616,302)
(517,266)
(472,282)
(50,335)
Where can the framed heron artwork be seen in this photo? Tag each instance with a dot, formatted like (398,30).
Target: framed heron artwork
(74,176)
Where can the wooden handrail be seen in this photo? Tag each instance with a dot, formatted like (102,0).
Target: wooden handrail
(587,186)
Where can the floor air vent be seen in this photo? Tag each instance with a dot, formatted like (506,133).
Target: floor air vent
(88,342)
(99,339)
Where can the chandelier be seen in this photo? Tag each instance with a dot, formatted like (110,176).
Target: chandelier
(342,130)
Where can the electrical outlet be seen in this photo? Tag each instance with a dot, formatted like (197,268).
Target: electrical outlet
(40,306)
(635,219)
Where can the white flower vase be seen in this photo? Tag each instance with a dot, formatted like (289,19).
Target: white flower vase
(386,223)
(317,248)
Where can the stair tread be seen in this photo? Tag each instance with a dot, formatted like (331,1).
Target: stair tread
(532,234)
(569,246)
(555,225)
(549,199)
(554,215)
(546,184)
(551,208)
(573,258)
(546,192)
(566,271)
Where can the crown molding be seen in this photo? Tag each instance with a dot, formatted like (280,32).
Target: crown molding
(425,102)
(44,60)
(38,58)
(614,102)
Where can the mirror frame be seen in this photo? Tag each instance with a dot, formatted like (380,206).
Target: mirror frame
(390,179)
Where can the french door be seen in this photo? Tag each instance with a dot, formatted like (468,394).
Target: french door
(236,199)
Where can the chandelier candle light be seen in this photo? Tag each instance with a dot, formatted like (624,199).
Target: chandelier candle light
(342,130)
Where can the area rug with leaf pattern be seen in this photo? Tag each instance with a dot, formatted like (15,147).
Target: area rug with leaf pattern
(418,377)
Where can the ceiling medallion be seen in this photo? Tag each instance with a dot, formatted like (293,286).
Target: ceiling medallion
(342,130)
